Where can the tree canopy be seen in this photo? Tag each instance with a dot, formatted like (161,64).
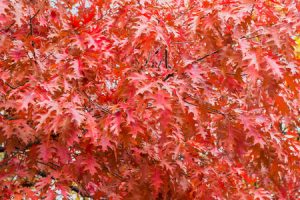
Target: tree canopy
(145,99)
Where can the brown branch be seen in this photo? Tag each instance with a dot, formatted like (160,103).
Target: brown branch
(76,189)
(7,29)
(37,12)
(102,108)
(50,54)
(252,9)
(15,87)
(190,103)
(49,164)
(156,52)
(150,56)
(207,107)
(30,22)
(248,37)
(29,145)
(9,85)
(45,174)
(79,191)
(207,55)
(31,27)
(218,50)
(36,142)
(183,42)
(31,33)
(159,63)
(166,59)
(148,59)
(42,173)
(168,76)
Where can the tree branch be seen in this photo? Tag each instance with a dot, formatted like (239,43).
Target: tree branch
(102,108)
(252,9)
(7,29)
(49,164)
(166,58)
(80,192)
(207,55)
(168,76)
(30,22)
(14,87)
(248,36)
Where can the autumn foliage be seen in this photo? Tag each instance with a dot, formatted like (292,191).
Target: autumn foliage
(145,99)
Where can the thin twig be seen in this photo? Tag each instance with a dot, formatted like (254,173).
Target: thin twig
(9,85)
(252,9)
(248,36)
(14,87)
(7,29)
(207,55)
(103,109)
(159,63)
(35,14)
(51,165)
(30,22)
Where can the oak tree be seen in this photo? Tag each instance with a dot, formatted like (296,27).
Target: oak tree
(146,99)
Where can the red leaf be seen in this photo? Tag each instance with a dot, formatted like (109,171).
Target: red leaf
(274,67)
(91,165)
(156,180)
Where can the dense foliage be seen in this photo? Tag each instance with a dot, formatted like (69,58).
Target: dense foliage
(149,99)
